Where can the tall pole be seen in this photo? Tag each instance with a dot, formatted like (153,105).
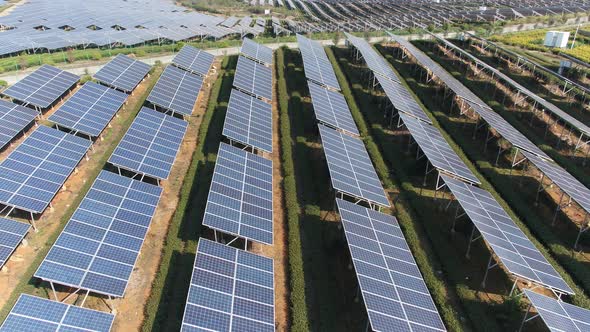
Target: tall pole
(575,35)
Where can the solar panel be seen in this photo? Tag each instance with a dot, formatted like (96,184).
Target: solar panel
(99,246)
(11,234)
(394,292)
(42,87)
(193,60)
(316,64)
(150,145)
(564,180)
(253,78)
(350,166)
(331,108)
(240,197)
(34,314)
(90,109)
(558,315)
(256,51)
(33,173)
(123,73)
(230,290)
(13,119)
(249,121)
(401,99)
(514,249)
(374,60)
(177,90)
(437,149)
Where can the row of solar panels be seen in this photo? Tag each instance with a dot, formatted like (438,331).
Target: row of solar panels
(231,289)
(555,173)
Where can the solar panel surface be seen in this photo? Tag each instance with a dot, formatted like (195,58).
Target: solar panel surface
(350,166)
(42,87)
(35,314)
(13,119)
(401,99)
(256,51)
(90,109)
(193,60)
(394,292)
(99,246)
(253,78)
(514,249)
(558,315)
(331,108)
(33,173)
(230,290)
(249,120)
(240,197)
(316,64)
(123,73)
(374,60)
(176,90)
(151,144)
(437,149)
(11,234)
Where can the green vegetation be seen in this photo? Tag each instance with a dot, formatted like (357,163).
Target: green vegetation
(298,310)
(164,308)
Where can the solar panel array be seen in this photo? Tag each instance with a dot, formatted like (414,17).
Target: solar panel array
(42,87)
(13,120)
(176,90)
(230,290)
(240,197)
(374,60)
(256,51)
(558,315)
(564,180)
(33,173)
(99,246)
(316,64)
(193,60)
(34,314)
(11,234)
(394,292)
(516,252)
(249,121)
(253,78)
(351,169)
(401,99)
(123,73)
(150,145)
(90,109)
(437,149)
(331,108)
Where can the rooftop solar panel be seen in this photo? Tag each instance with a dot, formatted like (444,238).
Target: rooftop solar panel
(177,90)
(394,292)
(401,99)
(350,166)
(253,78)
(437,149)
(316,64)
(249,121)
(13,120)
(193,60)
(33,173)
(374,60)
(513,248)
(230,290)
(34,314)
(90,109)
(256,51)
(42,87)
(99,246)
(240,197)
(151,144)
(123,73)
(558,315)
(11,234)
(331,108)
